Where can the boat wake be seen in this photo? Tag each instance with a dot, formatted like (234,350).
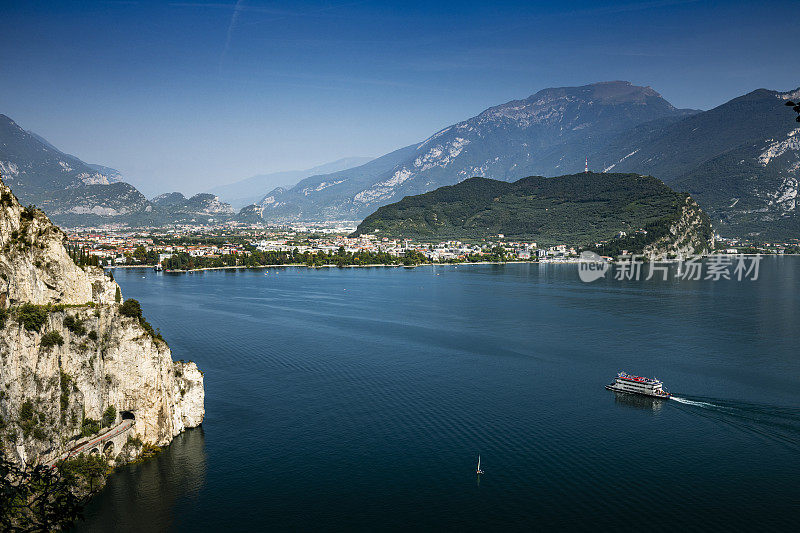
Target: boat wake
(692,402)
(771,422)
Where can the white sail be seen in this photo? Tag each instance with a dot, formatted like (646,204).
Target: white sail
(479,462)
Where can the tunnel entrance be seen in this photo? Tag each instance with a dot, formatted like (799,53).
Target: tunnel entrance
(127,415)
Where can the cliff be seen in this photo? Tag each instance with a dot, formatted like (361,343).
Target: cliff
(688,233)
(69,351)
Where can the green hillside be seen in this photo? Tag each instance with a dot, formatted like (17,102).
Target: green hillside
(574,209)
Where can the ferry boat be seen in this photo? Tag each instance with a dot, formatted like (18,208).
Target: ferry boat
(638,385)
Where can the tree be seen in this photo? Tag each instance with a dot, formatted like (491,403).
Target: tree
(140,254)
(52,338)
(40,498)
(109,416)
(117,295)
(131,308)
(89,427)
(795,107)
(32,316)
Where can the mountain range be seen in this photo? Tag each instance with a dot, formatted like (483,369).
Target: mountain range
(740,161)
(547,133)
(35,168)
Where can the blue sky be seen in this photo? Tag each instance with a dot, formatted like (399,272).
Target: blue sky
(185,95)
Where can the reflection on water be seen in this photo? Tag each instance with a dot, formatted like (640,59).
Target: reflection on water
(638,401)
(153,488)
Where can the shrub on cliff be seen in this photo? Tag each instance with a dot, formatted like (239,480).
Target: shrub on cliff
(109,416)
(31,316)
(28,213)
(52,338)
(75,325)
(131,308)
(85,471)
(26,411)
(27,417)
(89,427)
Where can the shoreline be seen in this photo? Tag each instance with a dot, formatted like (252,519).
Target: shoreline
(303,265)
(571,261)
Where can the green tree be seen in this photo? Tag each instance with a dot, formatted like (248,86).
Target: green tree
(32,316)
(140,254)
(131,308)
(40,498)
(89,427)
(118,295)
(52,338)
(109,416)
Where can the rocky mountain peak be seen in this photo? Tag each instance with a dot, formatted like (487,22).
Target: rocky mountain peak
(168,198)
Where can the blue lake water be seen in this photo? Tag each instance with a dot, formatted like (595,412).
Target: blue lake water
(359,399)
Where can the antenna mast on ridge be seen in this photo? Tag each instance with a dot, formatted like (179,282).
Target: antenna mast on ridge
(586,169)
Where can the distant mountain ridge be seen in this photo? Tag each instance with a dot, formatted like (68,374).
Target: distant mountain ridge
(200,205)
(740,160)
(548,133)
(254,189)
(34,167)
(577,209)
(75,193)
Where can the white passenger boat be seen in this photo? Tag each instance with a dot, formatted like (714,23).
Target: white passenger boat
(638,385)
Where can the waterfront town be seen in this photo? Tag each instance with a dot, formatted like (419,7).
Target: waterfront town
(225,246)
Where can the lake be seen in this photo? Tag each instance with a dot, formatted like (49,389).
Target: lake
(360,398)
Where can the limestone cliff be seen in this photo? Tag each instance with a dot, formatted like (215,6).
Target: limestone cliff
(689,233)
(67,352)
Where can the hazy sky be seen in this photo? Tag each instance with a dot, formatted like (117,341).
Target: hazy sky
(186,95)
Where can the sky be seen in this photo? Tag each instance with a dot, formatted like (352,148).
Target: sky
(186,95)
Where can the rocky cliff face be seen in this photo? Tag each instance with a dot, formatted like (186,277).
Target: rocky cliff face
(689,234)
(67,353)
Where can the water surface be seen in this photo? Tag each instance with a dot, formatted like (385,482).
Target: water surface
(360,399)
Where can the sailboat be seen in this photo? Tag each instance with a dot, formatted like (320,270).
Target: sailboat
(479,465)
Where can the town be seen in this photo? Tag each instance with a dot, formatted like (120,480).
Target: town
(226,246)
